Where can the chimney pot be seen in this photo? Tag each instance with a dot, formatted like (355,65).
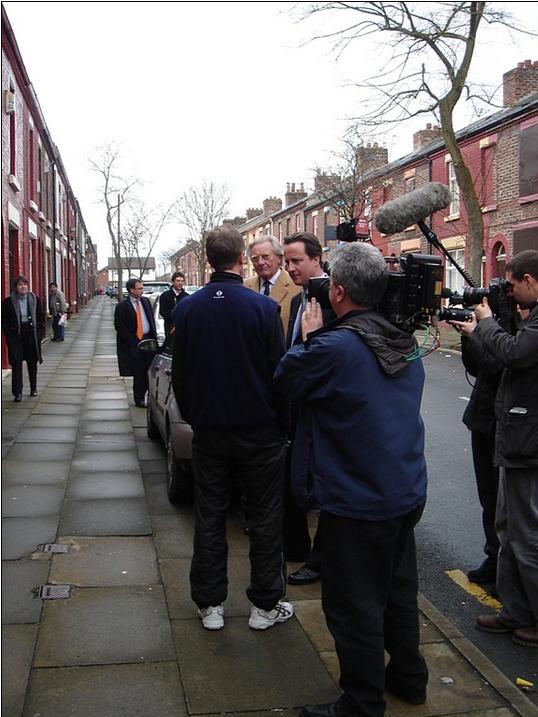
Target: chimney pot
(520,64)
(528,63)
(428,125)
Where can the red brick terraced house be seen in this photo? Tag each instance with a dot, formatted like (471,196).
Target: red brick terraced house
(44,236)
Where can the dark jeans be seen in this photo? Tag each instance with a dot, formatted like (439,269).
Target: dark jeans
(26,353)
(487,483)
(369,596)
(253,457)
(58,331)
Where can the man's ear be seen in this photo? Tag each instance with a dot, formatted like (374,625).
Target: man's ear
(340,293)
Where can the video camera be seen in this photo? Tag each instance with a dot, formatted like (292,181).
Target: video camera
(413,294)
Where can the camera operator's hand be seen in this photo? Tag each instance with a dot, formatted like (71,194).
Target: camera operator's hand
(464,327)
(482,311)
(312,318)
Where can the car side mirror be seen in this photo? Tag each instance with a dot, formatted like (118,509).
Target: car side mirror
(148,345)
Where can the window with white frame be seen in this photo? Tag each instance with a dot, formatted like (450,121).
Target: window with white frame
(453,279)
(454,190)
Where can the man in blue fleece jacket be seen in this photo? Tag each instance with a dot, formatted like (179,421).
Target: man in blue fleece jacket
(228,342)
(359,456)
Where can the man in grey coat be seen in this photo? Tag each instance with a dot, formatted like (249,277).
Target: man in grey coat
(57,308)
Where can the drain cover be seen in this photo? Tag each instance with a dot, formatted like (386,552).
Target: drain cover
(54,592)
(52,548)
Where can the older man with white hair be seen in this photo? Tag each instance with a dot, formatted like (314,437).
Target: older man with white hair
(266,255)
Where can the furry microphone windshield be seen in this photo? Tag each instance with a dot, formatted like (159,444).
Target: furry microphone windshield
(411,208)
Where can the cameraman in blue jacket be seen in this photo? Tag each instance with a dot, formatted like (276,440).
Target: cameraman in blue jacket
(359,457)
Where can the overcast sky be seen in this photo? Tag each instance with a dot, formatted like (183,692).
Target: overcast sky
(227,91)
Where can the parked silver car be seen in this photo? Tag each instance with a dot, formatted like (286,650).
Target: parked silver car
(164,421)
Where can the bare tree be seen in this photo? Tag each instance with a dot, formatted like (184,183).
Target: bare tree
(201,209)
(165,259)
(430,48)
(344,184)
(115,192)
(141,230)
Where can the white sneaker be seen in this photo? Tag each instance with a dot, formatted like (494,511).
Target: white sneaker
(262,619)
(212,617)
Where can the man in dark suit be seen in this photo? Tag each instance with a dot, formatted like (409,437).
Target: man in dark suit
(302,256)
(169,299)
(133,321)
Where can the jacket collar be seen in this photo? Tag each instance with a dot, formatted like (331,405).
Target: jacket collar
(225,276)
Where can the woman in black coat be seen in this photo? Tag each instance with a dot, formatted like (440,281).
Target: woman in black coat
(23,323)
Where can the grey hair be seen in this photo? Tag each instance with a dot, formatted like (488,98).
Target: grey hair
(361,269)
(275,245)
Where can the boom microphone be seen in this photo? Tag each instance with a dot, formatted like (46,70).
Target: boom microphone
(412,208)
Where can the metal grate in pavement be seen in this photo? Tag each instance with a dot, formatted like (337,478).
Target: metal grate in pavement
(53,548)
(54,592)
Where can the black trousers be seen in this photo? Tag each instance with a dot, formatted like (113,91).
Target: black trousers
(487,483)
(253,457)
(369,596)
(26,352)
(141,361)
(297,543)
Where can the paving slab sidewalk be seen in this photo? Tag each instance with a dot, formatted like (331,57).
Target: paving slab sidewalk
(79,470)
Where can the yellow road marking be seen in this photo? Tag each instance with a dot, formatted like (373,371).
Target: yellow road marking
(473,589)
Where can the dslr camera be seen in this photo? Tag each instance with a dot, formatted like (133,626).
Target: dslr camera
(500,302)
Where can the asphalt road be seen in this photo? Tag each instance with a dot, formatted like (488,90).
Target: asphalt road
(449,536)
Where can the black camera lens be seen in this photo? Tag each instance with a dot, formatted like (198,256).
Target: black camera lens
(452,314)
(474,296)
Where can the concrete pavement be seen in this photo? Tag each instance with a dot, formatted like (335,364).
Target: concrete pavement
(80,472)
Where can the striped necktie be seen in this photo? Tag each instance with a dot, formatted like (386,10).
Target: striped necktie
(266,287)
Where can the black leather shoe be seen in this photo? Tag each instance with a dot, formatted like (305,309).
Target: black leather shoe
(33,393)
(486,573)
(303,576)
(18,398)
(331,709)
(141,404)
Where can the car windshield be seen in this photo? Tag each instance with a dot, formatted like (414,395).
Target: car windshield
(151,287)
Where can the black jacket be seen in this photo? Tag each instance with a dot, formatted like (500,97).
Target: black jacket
(12,329)
(516,404)
(167,303)
(126,339)
(479,415)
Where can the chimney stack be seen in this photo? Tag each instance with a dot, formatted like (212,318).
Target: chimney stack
(251,213)
(272,205)
(324,183)
(292,195)
(426,136)
(520,82)
(371,157)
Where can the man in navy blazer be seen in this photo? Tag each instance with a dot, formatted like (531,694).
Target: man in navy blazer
(134,321)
